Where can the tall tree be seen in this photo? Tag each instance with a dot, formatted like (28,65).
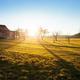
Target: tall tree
(68,38)
(42,32)
(55,36)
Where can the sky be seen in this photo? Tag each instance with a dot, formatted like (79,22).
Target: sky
(61,16)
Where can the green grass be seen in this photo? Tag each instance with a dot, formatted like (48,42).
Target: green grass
(34,59)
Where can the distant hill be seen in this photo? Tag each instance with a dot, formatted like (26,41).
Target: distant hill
(76,35)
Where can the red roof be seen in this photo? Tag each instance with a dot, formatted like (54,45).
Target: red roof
(3,28)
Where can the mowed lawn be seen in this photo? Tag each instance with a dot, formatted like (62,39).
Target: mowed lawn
(35,59)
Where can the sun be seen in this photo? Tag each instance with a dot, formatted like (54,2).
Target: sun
(30,30)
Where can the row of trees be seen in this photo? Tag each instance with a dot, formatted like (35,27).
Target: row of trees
(44,33)
(21,34)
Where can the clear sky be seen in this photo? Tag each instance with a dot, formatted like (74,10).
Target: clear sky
(55,15)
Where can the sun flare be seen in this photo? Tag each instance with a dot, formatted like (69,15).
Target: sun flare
(31,30)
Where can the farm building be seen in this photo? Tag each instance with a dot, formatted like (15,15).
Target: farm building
(5,33)
(12,34)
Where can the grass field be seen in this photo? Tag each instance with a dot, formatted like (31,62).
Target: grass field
(34,59)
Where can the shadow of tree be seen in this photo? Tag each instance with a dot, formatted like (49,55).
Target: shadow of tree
(59,45)
(8,45)
(65,67)
(36,69)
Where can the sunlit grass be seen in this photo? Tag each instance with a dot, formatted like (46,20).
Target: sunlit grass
(31,47)
(37,58)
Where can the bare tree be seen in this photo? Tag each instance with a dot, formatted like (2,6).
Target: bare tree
(20,34)
(26,34)
(55,36)
(68,38)
(42,32)
(45,31)
(17,34)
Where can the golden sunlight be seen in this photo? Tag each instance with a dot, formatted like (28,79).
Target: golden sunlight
(31,30)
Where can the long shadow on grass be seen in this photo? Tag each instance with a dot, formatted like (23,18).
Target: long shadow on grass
(59,45)
(6,46)
(12,69)
(32,70)
(15,71)
(70,45)
(67,66)
(72,53)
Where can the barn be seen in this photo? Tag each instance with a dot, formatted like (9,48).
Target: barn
(4,32)
(12,35)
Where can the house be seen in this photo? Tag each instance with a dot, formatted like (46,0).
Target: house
(4,32)
(12,35)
